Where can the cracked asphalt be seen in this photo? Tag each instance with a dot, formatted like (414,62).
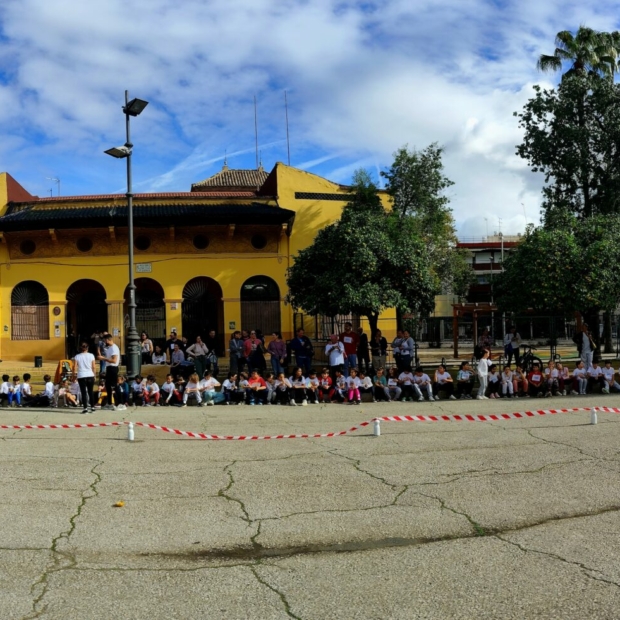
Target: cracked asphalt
(512,519)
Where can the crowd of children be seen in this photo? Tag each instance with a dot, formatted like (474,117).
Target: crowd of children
(324,387)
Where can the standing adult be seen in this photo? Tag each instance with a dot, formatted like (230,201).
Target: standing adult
(235,350)
(85,372)
(301,345)
(363,351)
(277,349)
(214,353)
(146,348)
(512,342)
(198,352)
(378,349)
(485,343)
(99,352)
(350,340)
(396,343)
(407,350)
(112,357)
(335,353)
(585,345)
(253,352)
(174,339)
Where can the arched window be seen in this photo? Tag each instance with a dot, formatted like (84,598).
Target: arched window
(260,304)
(30,319)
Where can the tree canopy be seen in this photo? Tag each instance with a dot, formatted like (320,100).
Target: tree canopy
(366,262)
(417,184)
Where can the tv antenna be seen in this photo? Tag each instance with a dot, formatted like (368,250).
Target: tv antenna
(55,180)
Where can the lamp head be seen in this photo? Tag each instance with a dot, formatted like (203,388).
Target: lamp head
(120,152)
(135,107)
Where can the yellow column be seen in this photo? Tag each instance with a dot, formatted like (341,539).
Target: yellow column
(174,317)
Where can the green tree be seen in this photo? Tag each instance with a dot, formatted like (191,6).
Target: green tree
(587,51)
(572,136)
(364,263)
(417,184)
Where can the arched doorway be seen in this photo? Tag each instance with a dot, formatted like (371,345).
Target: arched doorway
(87,313)
(260,305)
(30,311)
(150,309)
(202,309)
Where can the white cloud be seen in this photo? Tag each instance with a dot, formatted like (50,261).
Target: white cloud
(363,79)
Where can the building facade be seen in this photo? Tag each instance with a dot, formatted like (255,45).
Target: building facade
(212,258)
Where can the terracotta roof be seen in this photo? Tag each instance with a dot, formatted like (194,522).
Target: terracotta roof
(151,216)
(168,195)
(234,178)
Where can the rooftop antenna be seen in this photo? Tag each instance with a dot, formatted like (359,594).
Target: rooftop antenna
(288,140)
(51,190)
(55,180)
(256,130)
(225,166)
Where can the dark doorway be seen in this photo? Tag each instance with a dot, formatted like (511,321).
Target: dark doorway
(260,305)
(87,313)
(150,309)
(202,309)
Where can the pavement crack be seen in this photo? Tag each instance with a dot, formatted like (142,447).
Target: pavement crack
(280,594)
(477,528)
(586,570)
(61,560)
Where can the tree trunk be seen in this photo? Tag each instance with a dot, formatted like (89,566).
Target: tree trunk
(609,345)
(373,320)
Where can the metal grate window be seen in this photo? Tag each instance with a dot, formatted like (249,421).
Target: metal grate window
(30,312)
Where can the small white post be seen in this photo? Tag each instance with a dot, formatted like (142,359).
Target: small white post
(593,417)
(130,432)
(377,428)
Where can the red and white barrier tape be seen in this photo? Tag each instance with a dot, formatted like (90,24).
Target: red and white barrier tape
(493,417)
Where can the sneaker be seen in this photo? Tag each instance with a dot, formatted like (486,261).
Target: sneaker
(468,397)
(84,411)
(227,403)
(462,397)
(251,403)
(421,399)
(304,403)
(431,398)
(259,403)
(548,395)
(478,397)
(452,397)
(210,403)
(374,400)
(563,392)
(203,404)
(485,397)
(573,393)
(605,390)
(184,405)
(292,403)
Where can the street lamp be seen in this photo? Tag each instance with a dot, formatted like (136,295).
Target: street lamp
(131,108)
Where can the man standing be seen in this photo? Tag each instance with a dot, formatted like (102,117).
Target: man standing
(112,357)
(350,340)
(170,345)
(235,348)
(512,342)
(212,361)
(304,351)
(585,345)
(335,353)
(363,351)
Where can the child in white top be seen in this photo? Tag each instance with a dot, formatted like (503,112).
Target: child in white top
(5,389)
(353,384)
(207,388)
(610,378)
(483,375)
(137,391)
(192,388)
(579,379)
(406,380)
(152,393)
(494,381)
(242,386)
(340,387)
(507,385)
(551,379)
(229,388)
(283,389)
(421,381)
(312,388)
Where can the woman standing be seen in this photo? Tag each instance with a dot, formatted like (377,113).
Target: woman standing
(277,349)
(378,349)
(253,352)
(198,351)
(85,373)
(146,347)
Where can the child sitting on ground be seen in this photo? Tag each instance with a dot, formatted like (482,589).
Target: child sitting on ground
(340,387)
(283,390)
(207,388)
(494,381)
(192,388)
(137,391)
(15,392)
(421,381)
(365,384)
(312,387)
(507,384)
(326,392)
(229,388)
(5,389)
(151,392)
(353,385)
(121,393)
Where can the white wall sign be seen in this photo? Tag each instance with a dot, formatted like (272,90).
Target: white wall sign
(144,267)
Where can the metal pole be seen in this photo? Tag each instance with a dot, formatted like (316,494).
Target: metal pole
(133,340)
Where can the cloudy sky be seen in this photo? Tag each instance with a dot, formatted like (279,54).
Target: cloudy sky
(363,78)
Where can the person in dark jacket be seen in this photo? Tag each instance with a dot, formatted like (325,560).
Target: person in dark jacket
(363,352)
(301,345)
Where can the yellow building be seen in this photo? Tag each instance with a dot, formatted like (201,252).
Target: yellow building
(213,258)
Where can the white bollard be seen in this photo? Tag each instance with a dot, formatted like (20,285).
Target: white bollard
(593,417)
(377,428)
(130,432)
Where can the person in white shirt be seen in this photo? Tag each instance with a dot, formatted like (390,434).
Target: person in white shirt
(340,386)
(198,352)
(406,381)
(192,388)
(159,356)
(595,375)
(507,386)
(610,378)
(365,384)
(112,357)
(551,379)
(312,387)
(580,381)
(421,381)
(284,389)
(353,385)
(298,381)
(5,389)
(84,369)
(229,388)
(494,381)
(483,375)
(394,389)
(26,390)
(443,381)
(335,353)
(207,387)
(152,393)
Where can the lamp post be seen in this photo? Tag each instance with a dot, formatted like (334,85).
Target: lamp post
(132,350)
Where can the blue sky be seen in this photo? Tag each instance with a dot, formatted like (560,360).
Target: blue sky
(363,79)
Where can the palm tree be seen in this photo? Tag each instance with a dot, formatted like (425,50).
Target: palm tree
(589,51)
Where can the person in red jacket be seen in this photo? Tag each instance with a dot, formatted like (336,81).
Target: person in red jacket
(256,390)
(350,340)
(535,378)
